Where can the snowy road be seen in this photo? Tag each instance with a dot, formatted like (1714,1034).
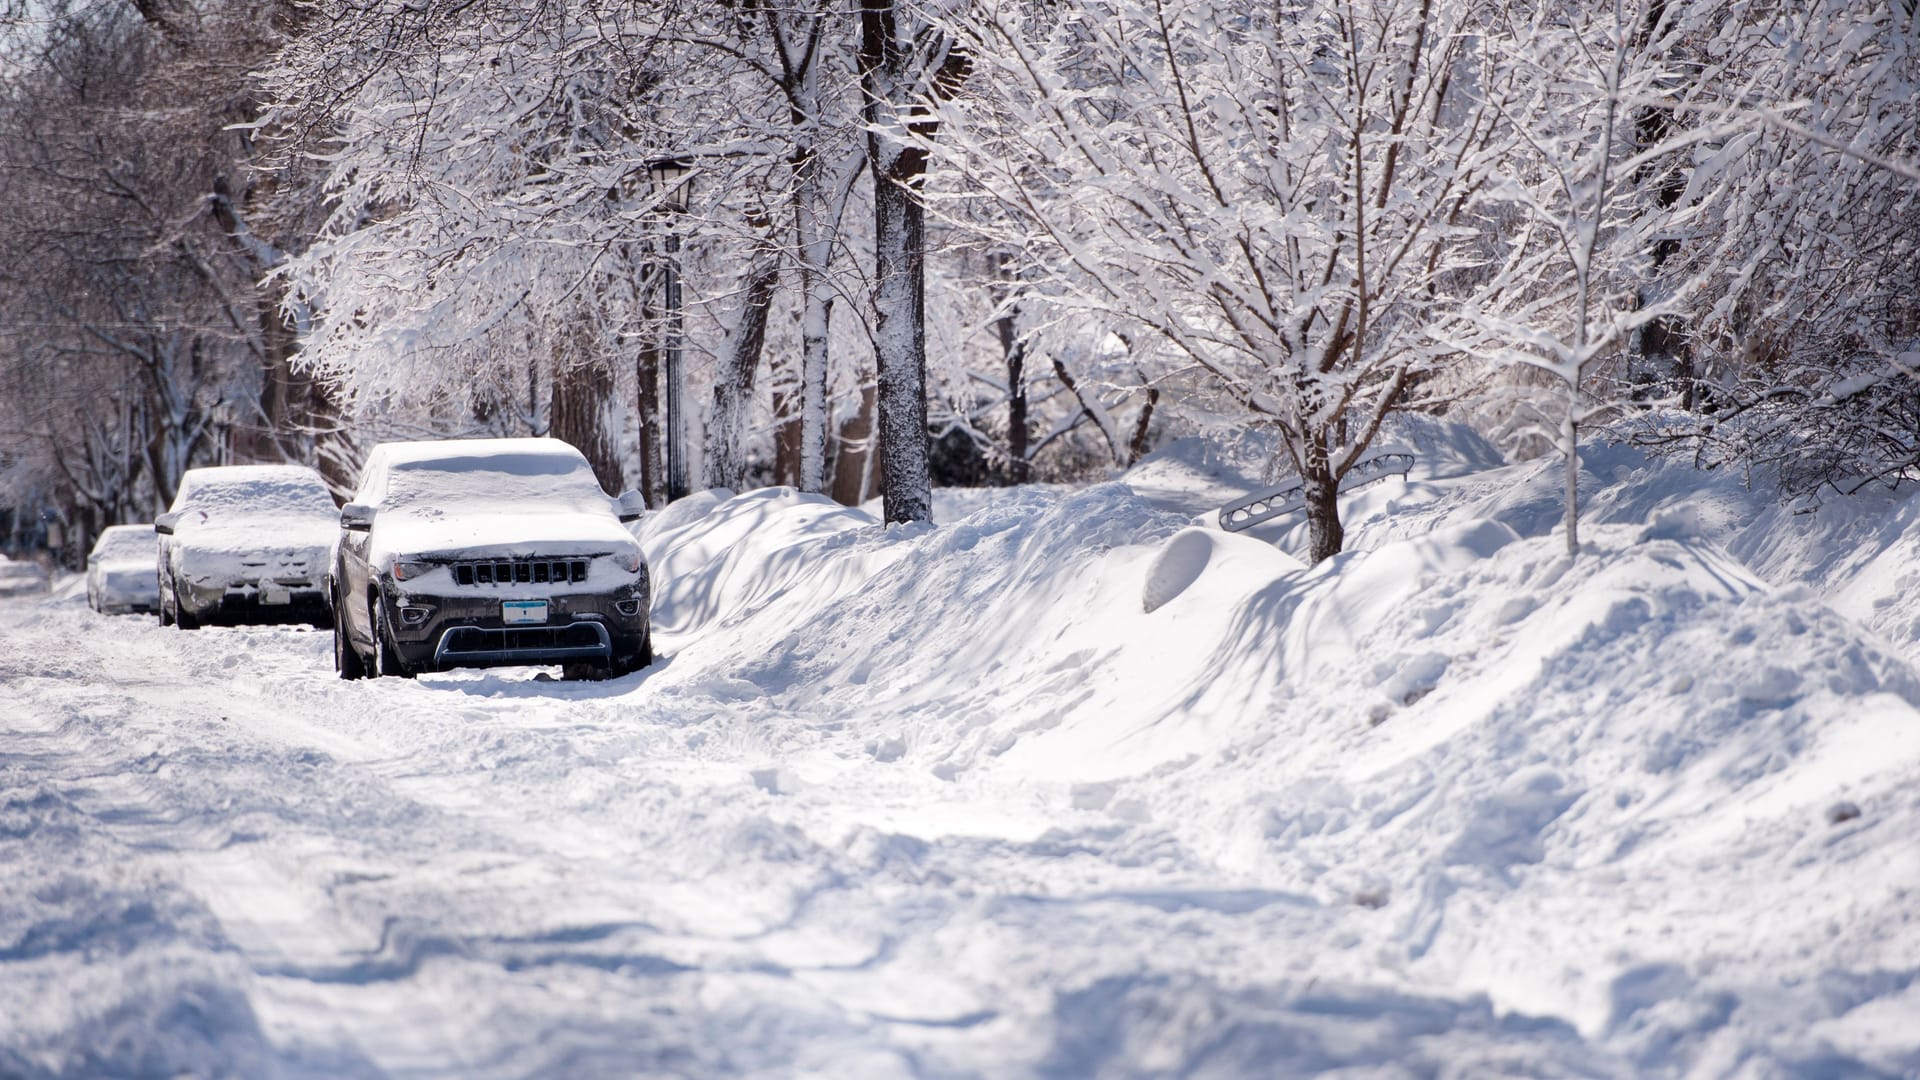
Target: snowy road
(221,858)
(948,802)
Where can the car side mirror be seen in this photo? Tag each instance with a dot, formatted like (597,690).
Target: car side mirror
(356,517)
(631,506)
(164,524)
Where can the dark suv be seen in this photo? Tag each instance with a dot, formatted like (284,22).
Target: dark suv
(487,553)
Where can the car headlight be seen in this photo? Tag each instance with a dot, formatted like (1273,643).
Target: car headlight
(408,569)
(630,561)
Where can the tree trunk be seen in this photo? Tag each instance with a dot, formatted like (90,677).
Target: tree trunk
(733,381)
(647,378)
(1570,446)
(853,464)
(1142,426)
(899,289)
(816,298)
(580,402)
(786,425)
(899,306)
(1326,535)
(1013,350)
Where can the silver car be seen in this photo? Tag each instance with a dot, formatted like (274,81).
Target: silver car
(246,543)
(120,577)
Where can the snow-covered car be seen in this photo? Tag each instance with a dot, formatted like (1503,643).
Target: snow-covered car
(246,543)
(21,576)
(487,553)
(120,571)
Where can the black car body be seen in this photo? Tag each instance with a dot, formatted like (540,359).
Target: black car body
(487,553)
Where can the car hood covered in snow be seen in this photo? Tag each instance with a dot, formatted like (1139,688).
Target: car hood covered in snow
(492,530)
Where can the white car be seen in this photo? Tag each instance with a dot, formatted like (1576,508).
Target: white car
(21,576)
(120,571)
(246,543)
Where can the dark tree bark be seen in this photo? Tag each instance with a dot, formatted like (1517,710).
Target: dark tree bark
(733,381)
(1321,488)
(653,483)
(856,447)
(579,406)
(899,71)
(1137,446)
(1013,350)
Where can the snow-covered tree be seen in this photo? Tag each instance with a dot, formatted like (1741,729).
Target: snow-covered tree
(1806,228)
(136,345)
(487,193)
(1561,289)
(806,51)
(1276,192)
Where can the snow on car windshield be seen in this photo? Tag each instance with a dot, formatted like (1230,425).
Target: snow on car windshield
(255,489)
(494,477)
(125,541)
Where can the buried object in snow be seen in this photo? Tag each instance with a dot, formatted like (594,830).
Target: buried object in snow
(1291,498)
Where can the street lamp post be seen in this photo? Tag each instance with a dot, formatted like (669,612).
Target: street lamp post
(672,180)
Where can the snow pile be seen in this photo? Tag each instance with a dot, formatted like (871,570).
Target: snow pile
(1640,791)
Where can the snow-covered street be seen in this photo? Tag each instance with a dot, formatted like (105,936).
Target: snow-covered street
(949,801)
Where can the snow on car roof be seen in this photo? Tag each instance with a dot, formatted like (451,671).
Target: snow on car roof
(462,455)
(492,470)
(294,488)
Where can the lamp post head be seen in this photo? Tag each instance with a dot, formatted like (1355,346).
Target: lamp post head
(672,180)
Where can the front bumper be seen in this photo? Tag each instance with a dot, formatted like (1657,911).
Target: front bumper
(253,600)
(440,631)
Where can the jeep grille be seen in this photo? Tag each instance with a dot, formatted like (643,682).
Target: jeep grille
(519,571)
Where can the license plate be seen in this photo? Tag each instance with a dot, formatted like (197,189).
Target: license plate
(274,594)
(521,612)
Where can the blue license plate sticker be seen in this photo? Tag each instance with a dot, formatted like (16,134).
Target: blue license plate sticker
(522,612)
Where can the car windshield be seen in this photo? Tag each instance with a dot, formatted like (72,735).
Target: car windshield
(517,480)
(120,543)
(264,492)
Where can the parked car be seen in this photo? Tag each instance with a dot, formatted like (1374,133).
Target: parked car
(19,576)
(487,553)
(120,571)
(246,543)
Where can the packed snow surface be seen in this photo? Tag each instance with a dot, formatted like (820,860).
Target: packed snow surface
(1069,784)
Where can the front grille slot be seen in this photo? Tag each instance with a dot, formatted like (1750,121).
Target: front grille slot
(466,640)
(519,571)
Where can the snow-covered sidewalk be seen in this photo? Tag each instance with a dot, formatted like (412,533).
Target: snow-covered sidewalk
(1059,787)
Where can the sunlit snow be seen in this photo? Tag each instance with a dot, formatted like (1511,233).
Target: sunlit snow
(1069,784)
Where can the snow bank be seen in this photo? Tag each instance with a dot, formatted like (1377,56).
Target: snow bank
(1642,791)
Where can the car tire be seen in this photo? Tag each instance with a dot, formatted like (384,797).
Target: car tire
(180,617)
(386,658)
(641,659)
(587,671)
(346,659)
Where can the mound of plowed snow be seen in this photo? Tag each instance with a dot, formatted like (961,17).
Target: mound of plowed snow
(1640,790)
